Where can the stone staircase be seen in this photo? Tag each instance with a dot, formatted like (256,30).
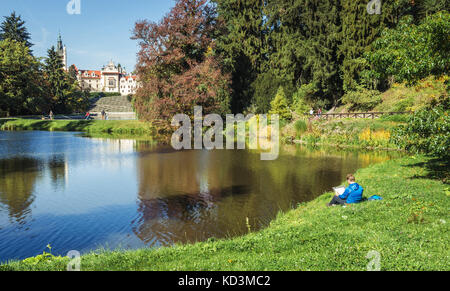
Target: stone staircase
(116,107)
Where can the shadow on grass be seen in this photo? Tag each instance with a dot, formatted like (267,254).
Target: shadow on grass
(437,169)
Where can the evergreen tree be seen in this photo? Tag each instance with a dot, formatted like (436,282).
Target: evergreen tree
(13,27)
(73,72)
(65,92)
(279,105)
(242,45)
(321,25)
(21,81)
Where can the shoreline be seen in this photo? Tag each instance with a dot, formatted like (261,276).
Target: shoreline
(406,228)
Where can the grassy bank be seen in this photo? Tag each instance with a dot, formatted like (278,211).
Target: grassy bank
(350,132)
(409,228)
(116,127)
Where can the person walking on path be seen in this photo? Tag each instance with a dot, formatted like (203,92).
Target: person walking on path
(103,114)
(51,115)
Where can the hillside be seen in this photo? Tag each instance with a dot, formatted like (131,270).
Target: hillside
(398,98)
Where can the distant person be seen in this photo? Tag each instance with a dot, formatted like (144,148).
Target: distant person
(311,112)
(352,194)
(103,114)
(87,116)
(319,112)
(51,115)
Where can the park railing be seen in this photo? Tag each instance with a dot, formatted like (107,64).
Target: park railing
(372,115)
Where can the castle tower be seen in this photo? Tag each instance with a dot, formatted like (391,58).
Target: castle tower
(62,52)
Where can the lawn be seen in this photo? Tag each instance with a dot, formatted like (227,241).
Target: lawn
(127,127)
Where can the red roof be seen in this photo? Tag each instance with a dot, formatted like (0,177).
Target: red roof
(128,77)
(97,74)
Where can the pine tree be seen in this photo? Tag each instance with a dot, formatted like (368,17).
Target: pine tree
(321,25)
(242,45)
(13,27)
(64,90)
(279,105)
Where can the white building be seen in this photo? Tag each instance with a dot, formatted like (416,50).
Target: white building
(111,79)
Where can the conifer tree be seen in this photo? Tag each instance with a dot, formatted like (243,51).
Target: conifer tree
(279,105)
(66,95)
(13,27)
(242,45)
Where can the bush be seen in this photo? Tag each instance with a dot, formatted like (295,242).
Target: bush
(403,105)
(302,97)
(362,100)
(427,131)
(265,87)
(403,118)
(279,105)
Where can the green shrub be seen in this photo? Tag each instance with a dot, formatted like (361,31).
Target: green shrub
(427,131)
(403,105)
(403,118)
(362,99)
(302,97)
(279,105)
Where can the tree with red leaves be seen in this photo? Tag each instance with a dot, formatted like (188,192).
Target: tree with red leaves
(177,65)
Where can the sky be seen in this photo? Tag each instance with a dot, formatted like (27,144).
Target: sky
(99,34)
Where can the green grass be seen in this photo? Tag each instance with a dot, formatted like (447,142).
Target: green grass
(409,228)
(349,132)
(117,127)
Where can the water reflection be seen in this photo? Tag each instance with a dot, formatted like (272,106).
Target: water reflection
(194,195)
(85,193)
(17,180)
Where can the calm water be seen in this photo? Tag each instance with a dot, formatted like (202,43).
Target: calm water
(83,193)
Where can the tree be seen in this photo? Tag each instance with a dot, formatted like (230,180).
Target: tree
(21,80)
(412,52)
(64,90)
(13,27)
(279,105)
(242,44)
(177,64)
(427,131)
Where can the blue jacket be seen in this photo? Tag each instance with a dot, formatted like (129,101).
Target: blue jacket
(353,193)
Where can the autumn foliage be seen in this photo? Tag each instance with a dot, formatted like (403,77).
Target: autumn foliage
(177,64)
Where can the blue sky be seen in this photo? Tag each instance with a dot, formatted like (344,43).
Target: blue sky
(100,33)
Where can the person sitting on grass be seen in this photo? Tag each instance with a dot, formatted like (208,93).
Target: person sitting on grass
(353,193)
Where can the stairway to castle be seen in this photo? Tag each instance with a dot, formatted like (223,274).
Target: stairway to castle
(117,107)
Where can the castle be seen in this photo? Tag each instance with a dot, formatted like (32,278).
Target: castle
(110,79)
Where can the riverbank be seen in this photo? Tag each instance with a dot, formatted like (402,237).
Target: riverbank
(408,229)
(345,133)
(94,127)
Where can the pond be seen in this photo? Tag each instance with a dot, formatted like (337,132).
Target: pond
(78,193)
